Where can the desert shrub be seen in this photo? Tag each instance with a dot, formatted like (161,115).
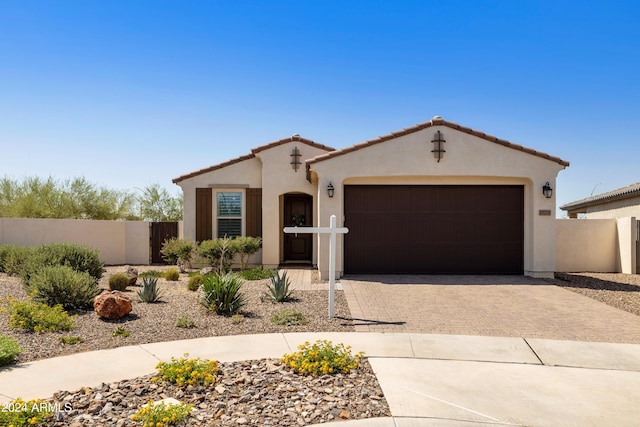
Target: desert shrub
(71,340)
(236,319)
(185,322)
(257,273)
(279,288)
(322,358)
(162,414)
(172,275)
(178,251)
(12,259)
(118,282)
(78,257)
(39,317)
(219,252)
(21,413)
(289,317)
(149,292)
(222,293)
(247,246)
(151,273)
(121,331)
(195,282)
(9,349)
(62,285)
(185,371)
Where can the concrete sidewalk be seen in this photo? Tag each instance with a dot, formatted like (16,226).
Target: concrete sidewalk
(428,380)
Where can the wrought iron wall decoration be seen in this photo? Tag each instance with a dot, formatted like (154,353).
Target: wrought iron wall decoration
(438,149)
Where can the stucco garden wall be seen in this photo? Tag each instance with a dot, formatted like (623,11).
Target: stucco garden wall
(596,245)
(119,242)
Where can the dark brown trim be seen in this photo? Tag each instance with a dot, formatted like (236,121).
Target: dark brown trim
(253,225)
(204,214)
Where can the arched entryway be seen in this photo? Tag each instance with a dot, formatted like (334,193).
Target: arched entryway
(297,211)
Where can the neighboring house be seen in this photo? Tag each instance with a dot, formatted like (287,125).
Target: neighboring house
(433,198)
(619,203)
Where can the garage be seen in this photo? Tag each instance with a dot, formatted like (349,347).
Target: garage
(434,229)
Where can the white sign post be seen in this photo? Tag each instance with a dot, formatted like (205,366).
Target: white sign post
(332,230)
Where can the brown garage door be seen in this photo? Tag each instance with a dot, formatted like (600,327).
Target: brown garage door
(436,229)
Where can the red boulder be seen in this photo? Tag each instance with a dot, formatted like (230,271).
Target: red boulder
(112,305)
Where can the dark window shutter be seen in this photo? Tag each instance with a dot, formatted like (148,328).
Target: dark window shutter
(204,212)
(254,212)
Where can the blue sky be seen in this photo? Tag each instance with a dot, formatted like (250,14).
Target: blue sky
(129,93)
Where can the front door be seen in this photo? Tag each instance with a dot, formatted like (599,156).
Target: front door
(297,212)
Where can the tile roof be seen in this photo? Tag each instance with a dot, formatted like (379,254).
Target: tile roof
(436,121)
(617,194)
(252,155)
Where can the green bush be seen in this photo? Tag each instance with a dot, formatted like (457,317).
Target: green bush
(222,293)
(149,292)
(289,317)
(279,288)
(71,340)
(194,282)
(322,358)
(219,252)
(172,275)
(257,273)
(39,317)
(178,251)
(247,246)
(9,349)
(151,273)
(185,322)
(21,413)
(12,259)
(62,285)
(118,282)
(78,257)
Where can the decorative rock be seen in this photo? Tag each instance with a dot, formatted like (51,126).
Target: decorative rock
(206,270)
(112,305)
(132,273)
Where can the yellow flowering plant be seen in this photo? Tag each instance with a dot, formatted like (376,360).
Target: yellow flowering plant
(39,317)
(322,358)
(21,413)
(185,371)
(161,414)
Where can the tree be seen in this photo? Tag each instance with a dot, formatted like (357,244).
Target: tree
(156,204)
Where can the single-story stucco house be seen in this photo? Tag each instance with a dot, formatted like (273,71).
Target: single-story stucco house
(432,198)
(618,203)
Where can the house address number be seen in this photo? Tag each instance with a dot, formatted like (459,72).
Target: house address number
(544,212)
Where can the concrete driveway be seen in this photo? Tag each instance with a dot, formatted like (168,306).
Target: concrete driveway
(514,306)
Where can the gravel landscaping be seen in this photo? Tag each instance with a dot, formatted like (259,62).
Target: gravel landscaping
(618,290)
(261,392)
(157,322)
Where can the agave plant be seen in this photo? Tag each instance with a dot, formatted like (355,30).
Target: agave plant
(221,293)
(279,289)
(149,291)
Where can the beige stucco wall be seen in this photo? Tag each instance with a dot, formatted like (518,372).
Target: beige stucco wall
(586,245)
(279,178)
(617,209)
(119,242)
(626,231)
(468,160)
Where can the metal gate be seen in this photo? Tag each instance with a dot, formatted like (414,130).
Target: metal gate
(158,233)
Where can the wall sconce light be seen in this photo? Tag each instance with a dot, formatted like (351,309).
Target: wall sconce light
(438,150)
(330,190)
(295,159)
(547,190)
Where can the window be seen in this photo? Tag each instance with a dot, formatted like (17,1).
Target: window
(229,214)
